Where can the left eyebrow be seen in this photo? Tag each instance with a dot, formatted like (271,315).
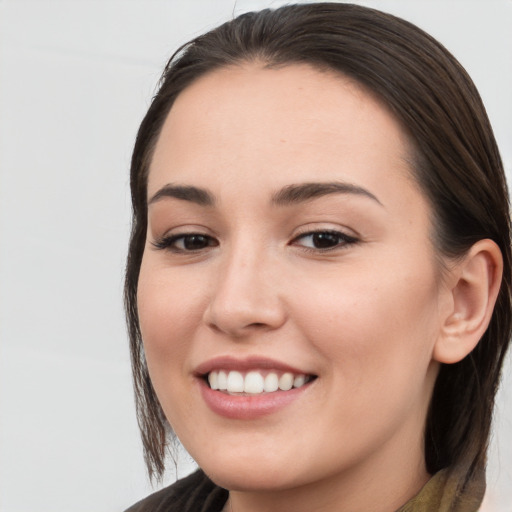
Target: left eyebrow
(298,193)
(189,193)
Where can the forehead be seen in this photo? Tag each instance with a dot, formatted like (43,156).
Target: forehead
(274,125)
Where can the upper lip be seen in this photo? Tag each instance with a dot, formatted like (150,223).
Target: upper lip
(245,364)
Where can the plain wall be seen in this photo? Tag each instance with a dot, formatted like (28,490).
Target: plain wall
(76,78)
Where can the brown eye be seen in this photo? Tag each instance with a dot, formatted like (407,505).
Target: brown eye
(324,240)
(194,242)
(186,242)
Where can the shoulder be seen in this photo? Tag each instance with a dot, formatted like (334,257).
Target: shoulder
(194,493)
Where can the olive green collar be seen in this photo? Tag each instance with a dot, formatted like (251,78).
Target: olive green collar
(444,493)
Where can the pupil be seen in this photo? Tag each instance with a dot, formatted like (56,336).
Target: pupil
(194,242)
(325,240)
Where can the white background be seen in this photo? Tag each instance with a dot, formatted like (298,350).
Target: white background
(76,77)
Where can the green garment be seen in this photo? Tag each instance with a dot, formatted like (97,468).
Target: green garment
(442,493)
(197,493)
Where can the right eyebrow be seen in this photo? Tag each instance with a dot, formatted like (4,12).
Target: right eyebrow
(190,193)
(301,192)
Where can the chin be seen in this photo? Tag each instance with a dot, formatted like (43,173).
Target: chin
(251,480)
(250,476)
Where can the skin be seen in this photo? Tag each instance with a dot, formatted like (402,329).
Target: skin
(364,316)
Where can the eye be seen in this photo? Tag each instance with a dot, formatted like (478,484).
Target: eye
(324,240)
(186,242)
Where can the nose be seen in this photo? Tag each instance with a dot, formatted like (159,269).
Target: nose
(246,297)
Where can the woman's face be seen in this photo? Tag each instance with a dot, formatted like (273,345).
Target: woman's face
(286,236)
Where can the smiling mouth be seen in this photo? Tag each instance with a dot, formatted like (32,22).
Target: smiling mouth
(255,382)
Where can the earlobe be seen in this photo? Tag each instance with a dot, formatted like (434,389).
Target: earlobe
(476,283)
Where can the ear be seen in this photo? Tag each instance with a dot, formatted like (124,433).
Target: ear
(475,283)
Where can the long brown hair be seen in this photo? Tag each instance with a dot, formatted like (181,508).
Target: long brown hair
(457,165)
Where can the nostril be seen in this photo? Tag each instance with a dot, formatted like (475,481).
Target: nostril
(238,316)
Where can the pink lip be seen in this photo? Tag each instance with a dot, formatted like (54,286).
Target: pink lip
(243,407)
(246,364)
(246,407)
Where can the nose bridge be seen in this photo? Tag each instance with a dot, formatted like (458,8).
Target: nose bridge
(246,295)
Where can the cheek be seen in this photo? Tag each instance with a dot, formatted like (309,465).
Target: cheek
(169,312)
(373,327)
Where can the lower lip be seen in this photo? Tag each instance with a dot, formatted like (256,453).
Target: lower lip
(248,407)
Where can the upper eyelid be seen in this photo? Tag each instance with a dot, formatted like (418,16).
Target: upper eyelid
(184,230)
(342,230)
(342,234)
(342,244)
(309,229)
(305,232)
(166,241)
(178,236)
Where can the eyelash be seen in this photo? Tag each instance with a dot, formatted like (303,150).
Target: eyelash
(341,240)
(169,242)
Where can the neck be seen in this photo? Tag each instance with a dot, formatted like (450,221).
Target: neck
(377,485)
(358,491)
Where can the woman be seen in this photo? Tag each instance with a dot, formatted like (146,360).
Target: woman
(318,278)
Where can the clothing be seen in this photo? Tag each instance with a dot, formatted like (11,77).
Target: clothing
(194,493)
(197,493)
(442,493)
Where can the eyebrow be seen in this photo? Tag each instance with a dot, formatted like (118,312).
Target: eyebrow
(298,193)
(190,193)
(288,195)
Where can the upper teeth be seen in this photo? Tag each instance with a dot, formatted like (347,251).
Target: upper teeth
(254,382)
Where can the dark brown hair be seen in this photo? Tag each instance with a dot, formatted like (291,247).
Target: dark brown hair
(457,165)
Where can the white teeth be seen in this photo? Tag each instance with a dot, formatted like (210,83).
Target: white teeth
(254,382)
(299,381)
(271,383)
(222,381)
(213,380)
(286,382)
(235,382)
